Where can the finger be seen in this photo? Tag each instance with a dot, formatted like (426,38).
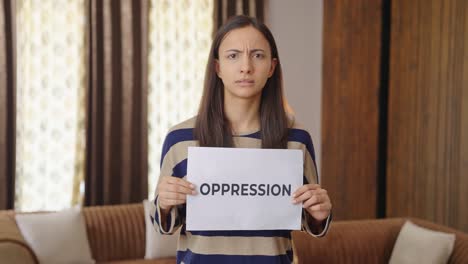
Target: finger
(315,199)
(306,196)
(179,189)
(169,182)
(320,207)
(171,202)
(305,188)
(182,182)
(303,197)
(173,195)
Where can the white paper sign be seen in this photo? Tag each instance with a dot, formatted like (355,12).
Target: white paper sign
(243,189)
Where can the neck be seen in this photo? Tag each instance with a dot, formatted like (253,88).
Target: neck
(243,114)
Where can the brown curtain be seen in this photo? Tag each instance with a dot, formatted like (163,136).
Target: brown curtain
(117,132)
(7,104)
(224,9)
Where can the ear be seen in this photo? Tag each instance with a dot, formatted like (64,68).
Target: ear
(274,62)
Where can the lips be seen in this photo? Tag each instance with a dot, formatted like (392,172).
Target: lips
(245,82)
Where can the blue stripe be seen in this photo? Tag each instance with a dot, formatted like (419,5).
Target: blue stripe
(302,136)
(256,135)
(175,137)
(244,233)
(186,134)
(190,257)
(180,170)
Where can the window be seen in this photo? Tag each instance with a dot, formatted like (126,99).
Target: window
(180,39)
(50,103)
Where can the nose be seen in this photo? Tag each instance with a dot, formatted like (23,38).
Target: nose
(246,66)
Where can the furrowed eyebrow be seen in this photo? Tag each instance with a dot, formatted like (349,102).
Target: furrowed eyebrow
(238,51)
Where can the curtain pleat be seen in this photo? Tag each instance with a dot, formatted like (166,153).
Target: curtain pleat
(7,104)
(117,133)
(224,9)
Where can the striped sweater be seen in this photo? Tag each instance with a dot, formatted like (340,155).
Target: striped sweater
(262,246)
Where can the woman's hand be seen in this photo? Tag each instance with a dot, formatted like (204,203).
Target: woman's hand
(173,191)
(315,200)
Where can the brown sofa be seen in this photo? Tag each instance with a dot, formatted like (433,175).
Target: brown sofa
(117,235)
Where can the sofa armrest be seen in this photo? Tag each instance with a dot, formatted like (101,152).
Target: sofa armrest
(13,247)
(360,241)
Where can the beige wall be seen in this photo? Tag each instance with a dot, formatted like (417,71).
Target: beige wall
(297,28)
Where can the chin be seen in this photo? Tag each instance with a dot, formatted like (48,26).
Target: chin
(246,94)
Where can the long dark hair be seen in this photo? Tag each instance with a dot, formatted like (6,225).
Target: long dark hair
(212,129)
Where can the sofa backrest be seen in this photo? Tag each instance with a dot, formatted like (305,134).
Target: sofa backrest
(366,241)
(116,232)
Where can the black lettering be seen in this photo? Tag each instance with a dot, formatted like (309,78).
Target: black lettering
(207,186)
(215,188)
(287,189)
(273,192)
(235,189)
(261,189)
(245,188)
(253,189)
(224,188)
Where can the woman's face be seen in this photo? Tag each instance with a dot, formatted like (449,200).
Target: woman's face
(245,63)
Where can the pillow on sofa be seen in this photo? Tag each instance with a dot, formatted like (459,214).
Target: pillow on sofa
(157,245)
(58,237)
(416,244)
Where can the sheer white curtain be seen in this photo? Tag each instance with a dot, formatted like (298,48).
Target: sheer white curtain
(50,103)
(180,39)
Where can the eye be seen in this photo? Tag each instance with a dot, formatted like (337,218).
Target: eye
(232,56)
(259,55)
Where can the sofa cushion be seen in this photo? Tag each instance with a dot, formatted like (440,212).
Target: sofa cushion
(416,244)
(58,237)
(157,245)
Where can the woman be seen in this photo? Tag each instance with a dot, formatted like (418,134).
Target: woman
(242,106)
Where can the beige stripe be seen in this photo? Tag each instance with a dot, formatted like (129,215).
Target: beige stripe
(176,154)
(246,142)
(267,246)
(309,169)
(189,123)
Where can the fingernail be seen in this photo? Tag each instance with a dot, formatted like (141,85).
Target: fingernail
(192,186)
(294,201)
(194,192)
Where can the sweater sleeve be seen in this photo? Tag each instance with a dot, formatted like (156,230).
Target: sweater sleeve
(174,218)
(311,176)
